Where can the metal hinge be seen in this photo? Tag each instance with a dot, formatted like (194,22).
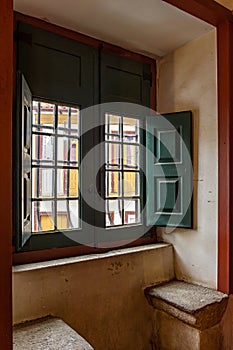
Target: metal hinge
(21,36)
(148,77)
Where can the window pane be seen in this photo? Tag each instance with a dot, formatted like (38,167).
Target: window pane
(113,212)
(63,120)
(68,118)
(74,121)
(42,216)
(113,183)
(132,211)
(130,130)
(112,127)
(67,183)
(67,214)
(42,183)
(67,150)
(43,149)
(43,117)
(131,156)
(131,184)
(113,156)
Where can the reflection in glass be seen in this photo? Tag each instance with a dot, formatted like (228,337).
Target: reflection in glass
(113,212)
(113,183)
(43,118)
(42,183)
(112,127)
(43,149)
(67,214)
(113,156)
(67,150)
(68,120)
(131,156)
(42,216)
(131,184)
(130,130)
(67,183)
(132,211)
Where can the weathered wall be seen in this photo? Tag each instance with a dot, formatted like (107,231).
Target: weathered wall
(103,298)
(187,81)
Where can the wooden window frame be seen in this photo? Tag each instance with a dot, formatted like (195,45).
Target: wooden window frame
(48,254)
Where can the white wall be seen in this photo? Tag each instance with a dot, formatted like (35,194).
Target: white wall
(187,80)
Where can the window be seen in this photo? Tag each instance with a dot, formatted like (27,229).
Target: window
(122,170)
(55,167)
(64,202)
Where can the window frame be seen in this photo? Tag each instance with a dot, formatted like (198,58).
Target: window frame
(72,250)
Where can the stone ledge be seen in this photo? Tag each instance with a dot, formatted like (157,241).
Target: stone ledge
(47,334)
(195,305)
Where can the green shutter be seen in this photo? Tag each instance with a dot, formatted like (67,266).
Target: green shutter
(24,176)
(169,169)
(57,68)
(124,80)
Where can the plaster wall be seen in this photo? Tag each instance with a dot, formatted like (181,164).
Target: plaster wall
(187,81)
(102,299)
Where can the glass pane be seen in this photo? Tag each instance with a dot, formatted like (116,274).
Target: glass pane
(42,216)
(43,117)
(67,150)
(67,214)
(42,149)
(113,184)
(63,120)
(131,156)
(74,121)
(112,127)
(68,120)
(67,183)
(113,156)
(130,130)
(132,211)
(113,212)
(42,183)
(131,184)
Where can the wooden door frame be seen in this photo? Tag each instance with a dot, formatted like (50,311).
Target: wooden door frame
(6,95)
(206,10)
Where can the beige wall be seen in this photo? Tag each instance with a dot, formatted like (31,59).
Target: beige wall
(187,80)
(103,298)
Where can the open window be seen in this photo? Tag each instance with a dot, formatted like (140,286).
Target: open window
(135,190)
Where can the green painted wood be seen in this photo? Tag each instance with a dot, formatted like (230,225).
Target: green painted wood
(57,68)
(124,80)
(24,181)
(169,169)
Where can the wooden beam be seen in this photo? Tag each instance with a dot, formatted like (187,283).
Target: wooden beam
(6,85)
(207,10)
(225,149)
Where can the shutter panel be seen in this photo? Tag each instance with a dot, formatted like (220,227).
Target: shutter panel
(124,80)
(24,122)
(169,169)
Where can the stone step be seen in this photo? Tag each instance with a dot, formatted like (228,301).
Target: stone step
(49,333)
(186,316)
(195,305)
